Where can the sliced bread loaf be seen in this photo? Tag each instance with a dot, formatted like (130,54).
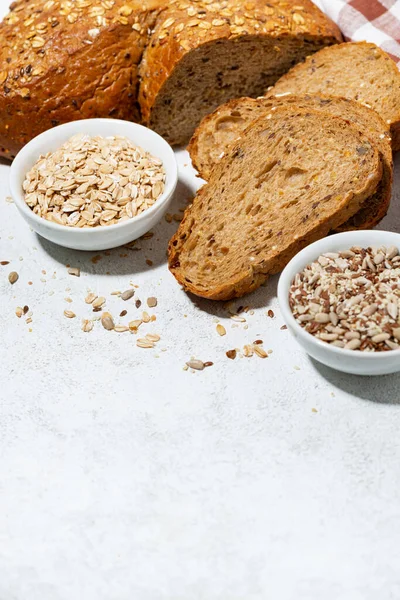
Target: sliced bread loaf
(218,130)
(62,61)
(204,53)
(359,70)
(288,181)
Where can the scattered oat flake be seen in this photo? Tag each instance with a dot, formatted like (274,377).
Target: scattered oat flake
(69,314)
(13,277)
(9,199)
(121,328)
(98,302)
(238,318)
(90,298)
(296,368)
(314,410)
(145,317)
(74,271)
(69,300)
(28,320)
(19,312)
(144,343)
(260,351)
(134,325)
(151,302)
(153,337)
(185,367)
(87,325)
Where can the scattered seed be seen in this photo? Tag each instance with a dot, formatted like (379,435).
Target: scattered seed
(145,317)
(221,330)
(121,328)
(107,321)
(198,365)
(231,354)
(4,262)
(123,313)
(19,312)
(13,277)
(283,327)
(271,313)
(127,295)
(151,302)
(208,364)
(74,271)
(138,303)
(69,300)
(69,314)
(258,342)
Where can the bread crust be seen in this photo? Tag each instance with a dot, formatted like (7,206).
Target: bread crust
(256,273)
(71,61)
(179,32)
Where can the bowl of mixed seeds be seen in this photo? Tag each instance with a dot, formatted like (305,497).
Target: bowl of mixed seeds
(94,184)
(340,297)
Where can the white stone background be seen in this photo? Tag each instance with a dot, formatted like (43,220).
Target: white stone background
(123,477)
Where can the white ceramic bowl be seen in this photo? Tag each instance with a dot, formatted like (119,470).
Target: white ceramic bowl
(348,361)
(96,238)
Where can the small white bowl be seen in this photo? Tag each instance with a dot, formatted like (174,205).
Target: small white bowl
(348,361)
(96,238)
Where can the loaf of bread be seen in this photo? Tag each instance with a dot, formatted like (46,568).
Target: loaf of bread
(222,127)
(359,71)
(66,60)
(62,61)
(203,53)
(286,182)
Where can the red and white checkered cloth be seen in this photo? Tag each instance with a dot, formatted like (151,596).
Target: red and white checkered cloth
(376,21)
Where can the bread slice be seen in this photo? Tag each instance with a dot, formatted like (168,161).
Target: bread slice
(219,129)
(203,53)
(359,70)
(286,182)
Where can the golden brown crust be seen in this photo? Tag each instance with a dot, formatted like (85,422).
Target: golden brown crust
(185,26)
(61,61)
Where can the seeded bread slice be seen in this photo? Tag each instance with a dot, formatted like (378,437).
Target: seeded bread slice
(219,129)
(358,70)
(288,181)
(204,53)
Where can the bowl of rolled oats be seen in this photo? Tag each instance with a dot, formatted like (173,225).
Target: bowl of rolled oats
(340,298)
(94,184)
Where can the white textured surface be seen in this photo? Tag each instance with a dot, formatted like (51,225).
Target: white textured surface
(122,477)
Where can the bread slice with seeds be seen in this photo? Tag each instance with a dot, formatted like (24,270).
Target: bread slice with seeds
(219,129)
(357,70)
(203,53)
(288,181)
